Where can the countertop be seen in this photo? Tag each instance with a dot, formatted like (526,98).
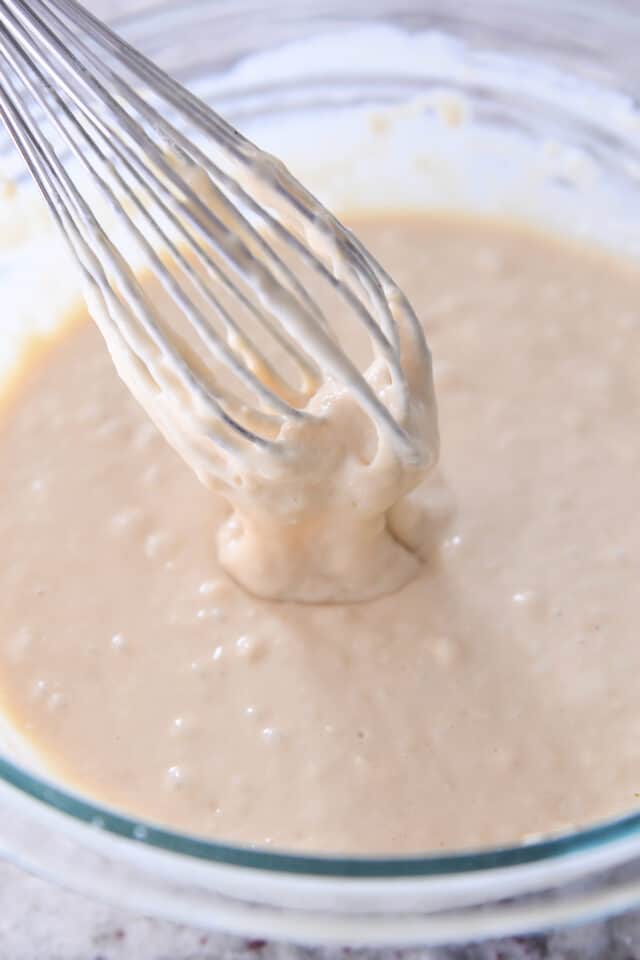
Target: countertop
(38,921)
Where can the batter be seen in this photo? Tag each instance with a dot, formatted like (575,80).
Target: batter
(492,698)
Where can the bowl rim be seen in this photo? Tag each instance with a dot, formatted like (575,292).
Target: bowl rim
(163,839)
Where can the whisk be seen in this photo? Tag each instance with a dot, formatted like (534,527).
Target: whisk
(143,178)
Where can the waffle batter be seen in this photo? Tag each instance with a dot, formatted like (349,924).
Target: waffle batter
(491,698)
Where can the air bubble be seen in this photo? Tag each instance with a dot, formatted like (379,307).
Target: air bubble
(56,700)
(40,687)
(180,726)
(174,777)
(210,587)
(522,598)
(452,543)
(249,646)
(157,545)
(210,613)
(118,641)
(271,734)
(125,520)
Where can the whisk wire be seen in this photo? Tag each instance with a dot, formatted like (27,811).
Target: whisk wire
(205,228)
(56,186)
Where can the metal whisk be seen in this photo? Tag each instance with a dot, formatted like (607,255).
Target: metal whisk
(143,178)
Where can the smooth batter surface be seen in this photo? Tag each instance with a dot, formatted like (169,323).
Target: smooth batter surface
(493,698)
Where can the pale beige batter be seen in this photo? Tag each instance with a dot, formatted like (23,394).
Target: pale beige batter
(493,698)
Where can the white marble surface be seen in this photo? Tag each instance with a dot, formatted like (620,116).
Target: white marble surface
(41,922)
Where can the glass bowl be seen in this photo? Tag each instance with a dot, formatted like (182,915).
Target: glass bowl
(509,107)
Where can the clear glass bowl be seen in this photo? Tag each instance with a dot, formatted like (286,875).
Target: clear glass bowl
(553,84)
